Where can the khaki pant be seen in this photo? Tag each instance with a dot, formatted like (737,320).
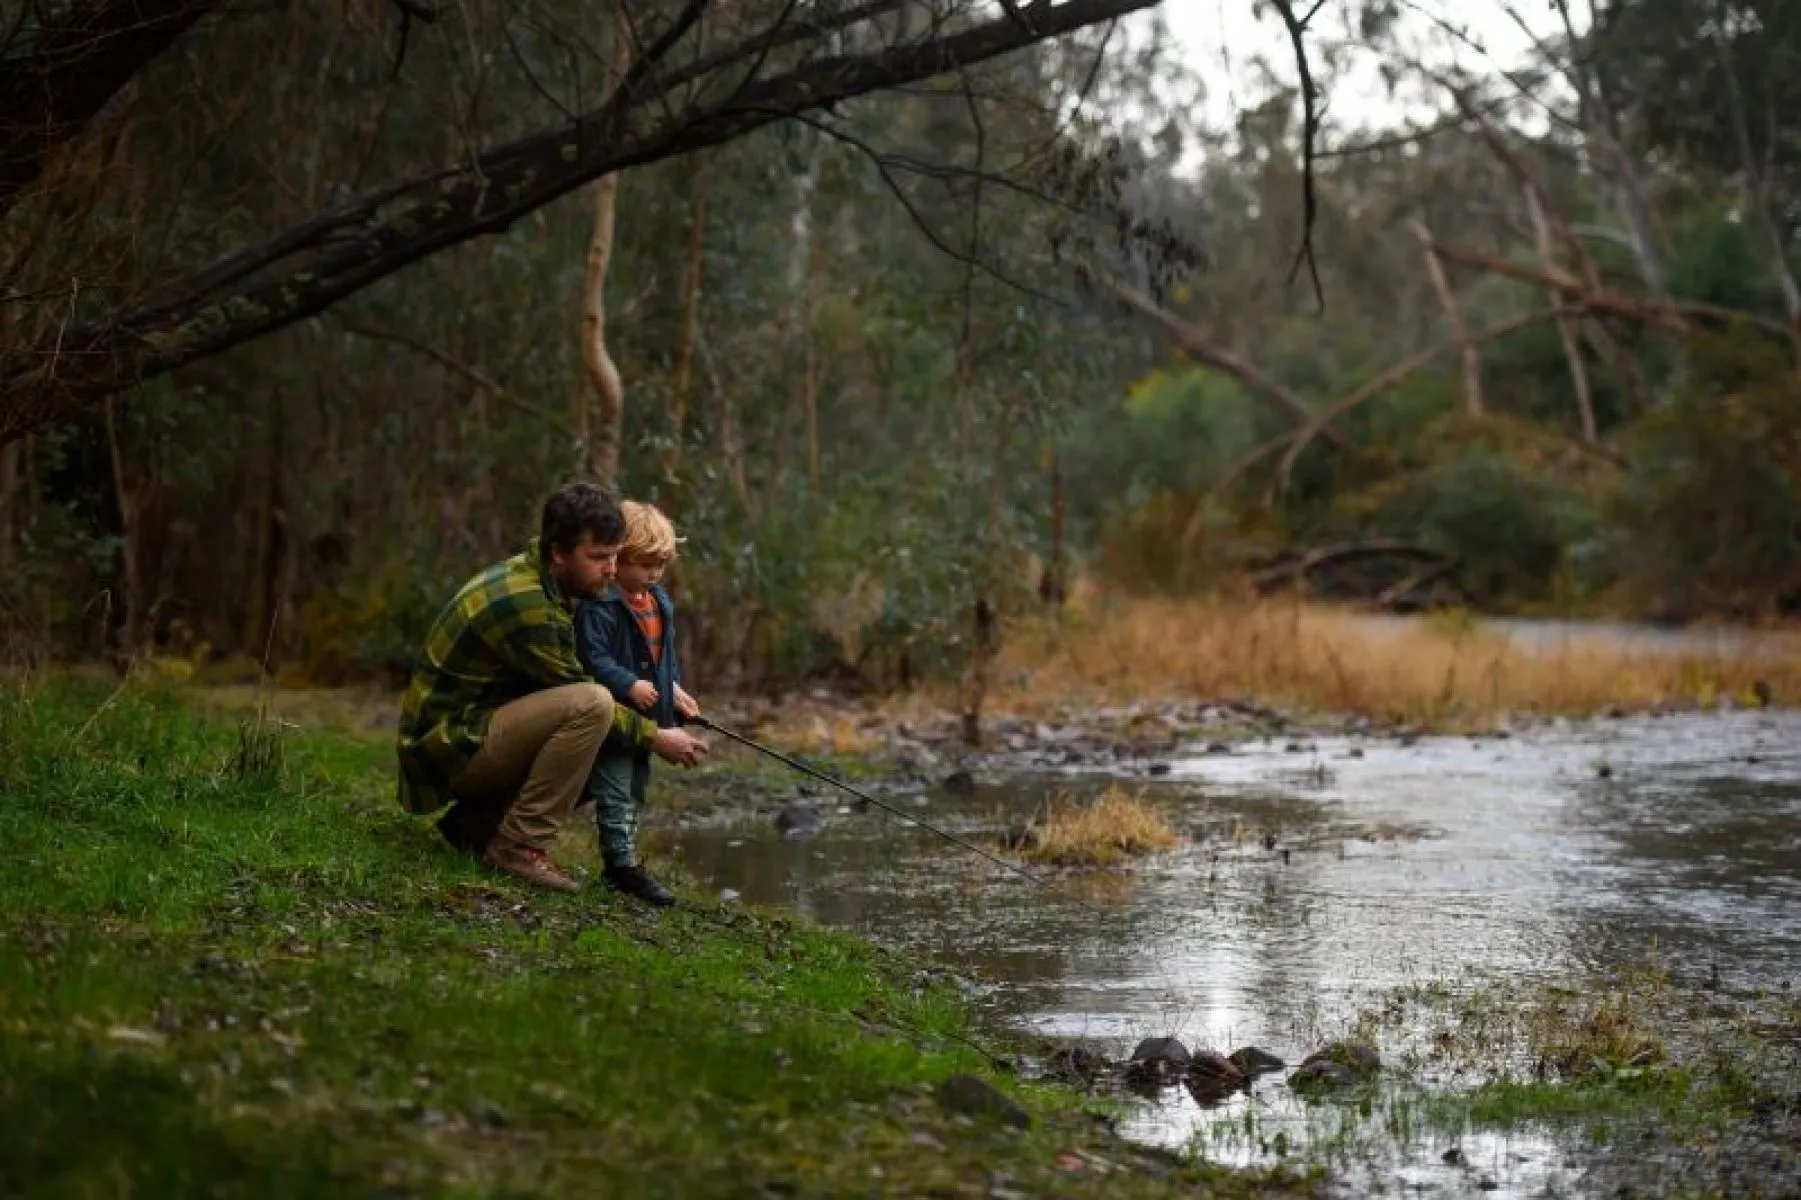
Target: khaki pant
(536,759)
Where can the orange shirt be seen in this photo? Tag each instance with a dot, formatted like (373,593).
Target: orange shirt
(650,622)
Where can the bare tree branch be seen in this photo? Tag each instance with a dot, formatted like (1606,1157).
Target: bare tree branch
(1447,299)
(76,65)
(1677,316)
(1567,332)
(1388,379)
(1202,349)
(1619,357)
(1297,29)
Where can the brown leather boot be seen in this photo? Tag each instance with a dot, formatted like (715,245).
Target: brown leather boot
(528,863)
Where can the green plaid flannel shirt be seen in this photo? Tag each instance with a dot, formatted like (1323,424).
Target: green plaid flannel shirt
(506,634)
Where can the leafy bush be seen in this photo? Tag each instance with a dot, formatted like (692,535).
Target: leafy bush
(1498,519)
(1709,519)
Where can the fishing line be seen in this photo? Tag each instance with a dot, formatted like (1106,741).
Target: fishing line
(865,797)
(1170,989)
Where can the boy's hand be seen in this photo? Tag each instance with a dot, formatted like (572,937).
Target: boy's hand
(679,747)
(643,694)
(685,705)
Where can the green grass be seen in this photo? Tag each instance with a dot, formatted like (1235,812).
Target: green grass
(233,966)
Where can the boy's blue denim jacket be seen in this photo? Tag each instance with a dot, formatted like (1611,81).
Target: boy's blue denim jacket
(612,647)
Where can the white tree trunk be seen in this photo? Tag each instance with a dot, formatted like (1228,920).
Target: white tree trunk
(601,426)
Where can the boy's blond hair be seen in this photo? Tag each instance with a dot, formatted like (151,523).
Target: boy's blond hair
(649,535)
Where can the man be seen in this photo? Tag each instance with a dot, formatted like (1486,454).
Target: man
(500,715)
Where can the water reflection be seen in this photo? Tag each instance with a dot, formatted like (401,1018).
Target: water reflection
(1565,850)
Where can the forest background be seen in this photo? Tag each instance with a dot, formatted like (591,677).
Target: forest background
(919,316)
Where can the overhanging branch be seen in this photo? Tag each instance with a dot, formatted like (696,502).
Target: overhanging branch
(339,254)
(1201,349)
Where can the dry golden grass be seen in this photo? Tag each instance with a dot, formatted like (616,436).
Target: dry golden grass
(1115,827)
(803,728)
(1440,672)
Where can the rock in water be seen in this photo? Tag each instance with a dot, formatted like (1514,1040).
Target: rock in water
(1339,1063)
(1208,1092)
(958,783)
(1319,1074)
(1212,1065)
(799,821)
(1165,1050)
(1157,1059)
(976,1097)
(1253,1061)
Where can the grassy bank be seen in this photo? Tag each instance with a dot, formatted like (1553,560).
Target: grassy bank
(1439,672)
(232,966)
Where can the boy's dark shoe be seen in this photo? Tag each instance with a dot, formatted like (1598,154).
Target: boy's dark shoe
(634,882)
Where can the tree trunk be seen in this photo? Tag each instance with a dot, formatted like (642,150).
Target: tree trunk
(269,540)
(600,420)
(1601,129)
(984,641)
(1566,327)
(684,355)
(1756,186)
(1053,585)
(128,533)
(810,403)
(11,454)
(1447,299)
(977,672)
(9,506)
(603,430)
(725,420)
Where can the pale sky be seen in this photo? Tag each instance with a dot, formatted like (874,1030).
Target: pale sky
(1221,38)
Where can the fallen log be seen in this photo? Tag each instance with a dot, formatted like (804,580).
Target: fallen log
(1295,569)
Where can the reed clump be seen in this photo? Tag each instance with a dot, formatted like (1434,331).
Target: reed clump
(1111,829)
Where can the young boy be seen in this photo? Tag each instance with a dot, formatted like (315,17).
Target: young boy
(626,639)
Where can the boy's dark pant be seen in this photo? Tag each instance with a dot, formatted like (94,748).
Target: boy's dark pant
(618,786)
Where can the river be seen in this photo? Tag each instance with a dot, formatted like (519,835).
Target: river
(1318,876)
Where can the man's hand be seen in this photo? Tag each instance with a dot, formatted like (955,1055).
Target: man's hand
(643,694)
(685,705)
(679,747)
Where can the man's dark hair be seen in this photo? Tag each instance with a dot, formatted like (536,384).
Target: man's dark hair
(578,509)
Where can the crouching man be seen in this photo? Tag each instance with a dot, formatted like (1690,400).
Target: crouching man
(500,720)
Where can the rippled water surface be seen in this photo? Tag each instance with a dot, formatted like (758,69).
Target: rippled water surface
(1318,874)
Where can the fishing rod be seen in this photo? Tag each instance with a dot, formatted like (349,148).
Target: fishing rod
(716,727)
(803,768)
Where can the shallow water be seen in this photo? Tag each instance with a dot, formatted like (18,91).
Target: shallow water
(1638,639)
(1321,874)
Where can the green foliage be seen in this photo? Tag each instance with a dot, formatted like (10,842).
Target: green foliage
(1718,257)
(373,623)
(849,422)
(1709,519)
(1493,516)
